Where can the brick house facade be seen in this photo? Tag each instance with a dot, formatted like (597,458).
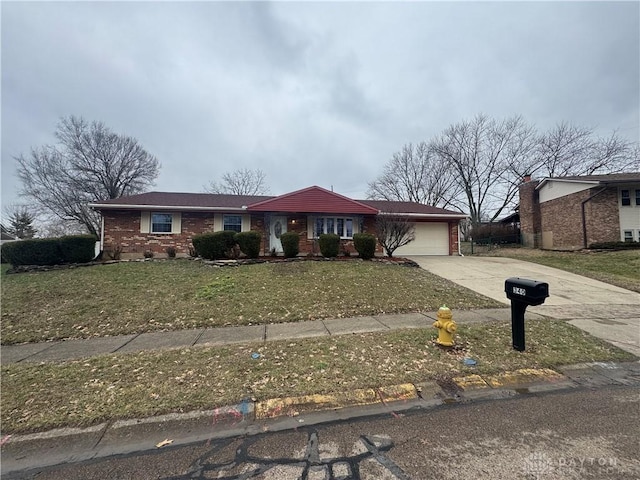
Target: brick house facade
(130,224)
(570,213)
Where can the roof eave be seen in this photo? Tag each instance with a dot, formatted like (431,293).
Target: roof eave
(111,206)
(427,215)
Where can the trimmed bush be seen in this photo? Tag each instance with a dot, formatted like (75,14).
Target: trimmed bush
(3,249)
(365,245)
(171,252)
(329,245)
(290,244)
(213,246)
(77,248)
(249,243)
(40,251)
(615,246)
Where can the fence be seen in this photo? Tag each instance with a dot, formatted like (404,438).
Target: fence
(487,244)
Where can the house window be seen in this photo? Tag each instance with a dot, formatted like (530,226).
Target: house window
(637,197)
(628,235)
(232,223)
(338,225)
(161,222)
(625,197)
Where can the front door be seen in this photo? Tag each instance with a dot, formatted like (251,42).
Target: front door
(278,227)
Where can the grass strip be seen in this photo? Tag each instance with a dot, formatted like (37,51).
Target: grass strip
(139,297)
(85,392)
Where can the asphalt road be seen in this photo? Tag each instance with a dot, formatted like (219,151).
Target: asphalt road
(568,434)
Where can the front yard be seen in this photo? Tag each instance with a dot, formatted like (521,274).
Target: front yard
(138,297)
(617,268)
(37,397)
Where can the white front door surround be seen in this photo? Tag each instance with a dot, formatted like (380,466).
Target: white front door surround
(278,226)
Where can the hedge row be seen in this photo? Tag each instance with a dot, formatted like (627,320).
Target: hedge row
(615,246)
(50,251)
(216,245)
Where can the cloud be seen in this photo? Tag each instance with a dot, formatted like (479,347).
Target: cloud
(311,93)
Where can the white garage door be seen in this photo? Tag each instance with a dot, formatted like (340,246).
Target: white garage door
(431,239)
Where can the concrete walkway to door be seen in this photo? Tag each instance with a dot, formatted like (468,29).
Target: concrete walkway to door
(606,311)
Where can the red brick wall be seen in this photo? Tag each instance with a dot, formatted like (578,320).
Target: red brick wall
(530,221)
(561,219)
(122,230)
(453,238)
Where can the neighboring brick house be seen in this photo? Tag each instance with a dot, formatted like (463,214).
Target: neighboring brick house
(570,213)
(157,220)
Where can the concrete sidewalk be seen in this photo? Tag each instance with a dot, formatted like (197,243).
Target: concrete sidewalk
(74,349)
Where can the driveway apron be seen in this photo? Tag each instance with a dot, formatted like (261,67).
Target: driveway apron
(604,310)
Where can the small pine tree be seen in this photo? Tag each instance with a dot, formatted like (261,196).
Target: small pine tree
(21,223)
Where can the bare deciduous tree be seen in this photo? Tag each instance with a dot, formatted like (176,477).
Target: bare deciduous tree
(240,182)
(89,164)
(394,231)
(487,156)
(416,174)
(568,150)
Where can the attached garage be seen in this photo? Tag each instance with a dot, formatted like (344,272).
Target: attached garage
(432,238)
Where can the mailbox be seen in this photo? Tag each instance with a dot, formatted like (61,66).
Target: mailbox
(523,292)
(527,291)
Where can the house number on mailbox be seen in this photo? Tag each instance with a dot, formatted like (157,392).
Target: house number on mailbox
(519,291)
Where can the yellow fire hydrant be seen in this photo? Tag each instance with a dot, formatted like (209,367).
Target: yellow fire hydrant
(446,327)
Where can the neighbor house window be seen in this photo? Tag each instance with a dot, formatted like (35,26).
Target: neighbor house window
(232,223)
(338,225)
(161,222)
(625,197)
(637,197)
(628,235)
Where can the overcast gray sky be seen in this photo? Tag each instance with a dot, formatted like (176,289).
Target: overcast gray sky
(311,93)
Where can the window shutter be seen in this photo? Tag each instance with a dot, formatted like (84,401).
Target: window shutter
(176,223)
(246,223)
(145,222)
(217,222)
(311,221)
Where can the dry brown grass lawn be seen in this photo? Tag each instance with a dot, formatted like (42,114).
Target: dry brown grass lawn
(141,297)
(37,397)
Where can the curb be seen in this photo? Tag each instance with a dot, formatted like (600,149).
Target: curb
(22,452)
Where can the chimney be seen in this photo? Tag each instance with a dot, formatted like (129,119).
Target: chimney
(526,179)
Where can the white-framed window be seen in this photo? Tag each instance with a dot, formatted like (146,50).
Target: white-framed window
(232,223)
(637,196)
(625,197)
(342,226)
(161,222)
(628,235)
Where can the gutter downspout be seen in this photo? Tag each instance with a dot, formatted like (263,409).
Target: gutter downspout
(584,217)
(460,254)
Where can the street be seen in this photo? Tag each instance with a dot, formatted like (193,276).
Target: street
(568,434)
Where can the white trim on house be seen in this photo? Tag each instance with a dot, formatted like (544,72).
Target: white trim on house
(165,208)
(427,216)
(561,188)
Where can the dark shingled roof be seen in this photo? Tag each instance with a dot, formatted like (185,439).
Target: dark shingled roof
(407,207)
(198,200)
(217,201)
(607,178)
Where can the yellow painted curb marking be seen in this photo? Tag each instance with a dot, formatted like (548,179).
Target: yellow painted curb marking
(524,375)
(293,406)
(471,382)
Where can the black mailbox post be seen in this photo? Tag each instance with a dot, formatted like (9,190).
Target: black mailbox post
(522,293)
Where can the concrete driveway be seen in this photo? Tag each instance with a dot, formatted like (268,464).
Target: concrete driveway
(604,310)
